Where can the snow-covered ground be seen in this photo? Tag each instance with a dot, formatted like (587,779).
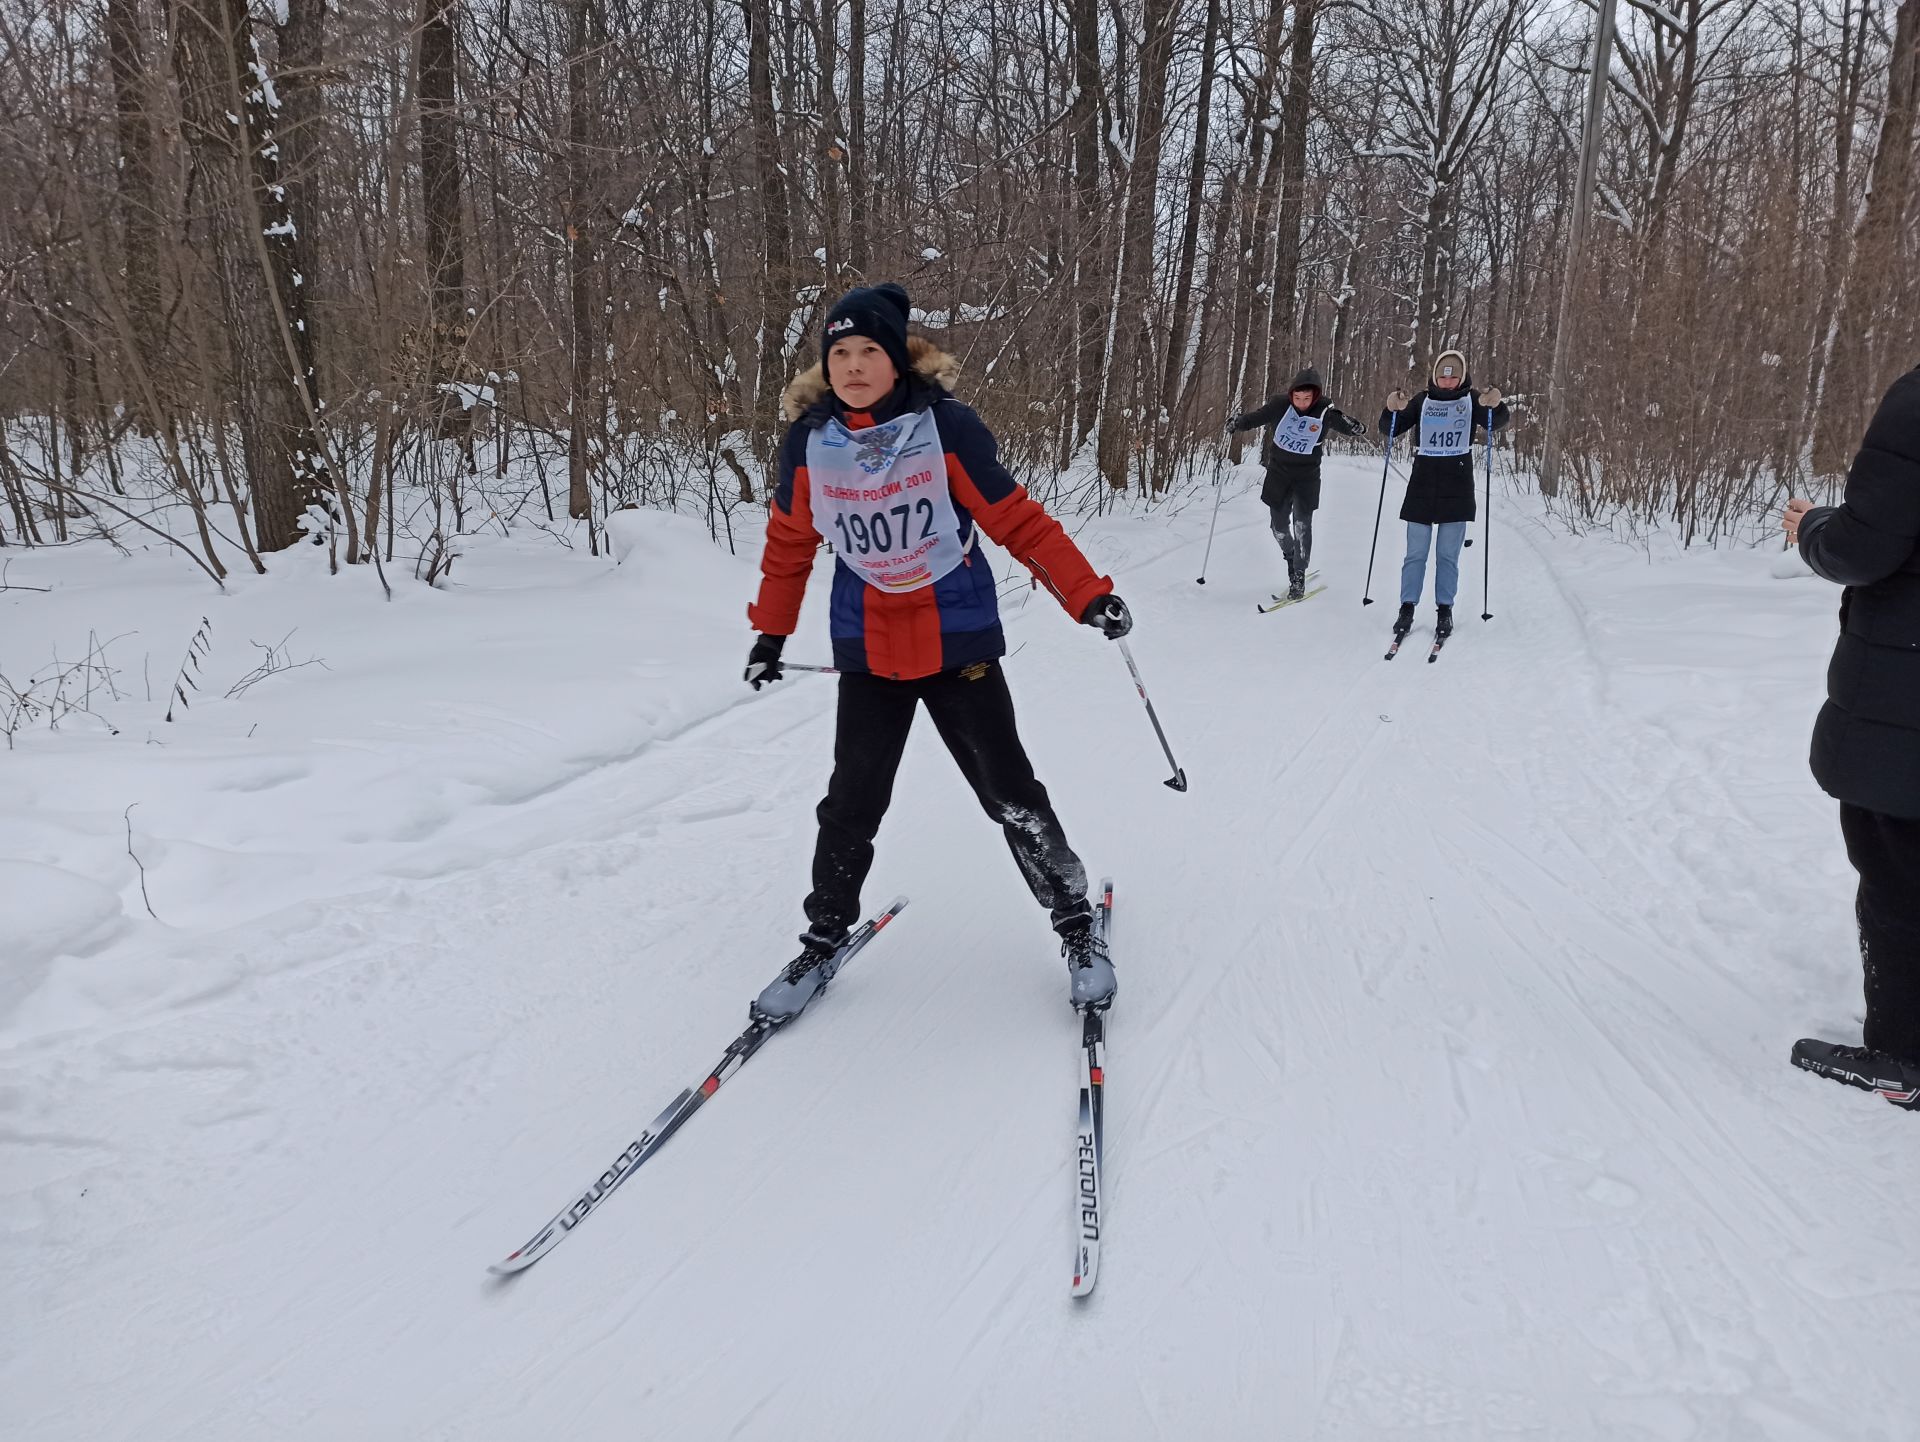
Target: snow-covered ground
(1448,1093)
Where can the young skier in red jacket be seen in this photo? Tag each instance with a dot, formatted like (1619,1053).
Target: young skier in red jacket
(881,460)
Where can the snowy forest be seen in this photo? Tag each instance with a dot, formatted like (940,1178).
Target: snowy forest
(554,257)
(440,692)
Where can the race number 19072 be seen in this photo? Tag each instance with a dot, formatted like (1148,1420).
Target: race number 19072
(884,530)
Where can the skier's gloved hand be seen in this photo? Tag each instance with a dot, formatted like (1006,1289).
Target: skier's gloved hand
(1356,428)
(1397,400)
(1109,615)
(763,661)
(1490,397)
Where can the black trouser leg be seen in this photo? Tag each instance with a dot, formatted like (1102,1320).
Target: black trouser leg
(1885,850)
(975,719)
(870,734)
(1303,536)
(1282,526)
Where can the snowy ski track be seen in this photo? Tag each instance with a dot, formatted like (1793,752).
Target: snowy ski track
(1448,1093)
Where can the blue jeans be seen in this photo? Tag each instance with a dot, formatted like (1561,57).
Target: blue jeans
(1446,574)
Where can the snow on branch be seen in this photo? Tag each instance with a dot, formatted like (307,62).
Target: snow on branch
(1394,152)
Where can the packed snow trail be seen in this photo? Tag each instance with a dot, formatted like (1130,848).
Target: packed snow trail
(1450,1101)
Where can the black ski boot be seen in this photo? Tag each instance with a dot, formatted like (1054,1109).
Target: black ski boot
(1443,622)
(1297,585)
(1403,623)
(1874,1071)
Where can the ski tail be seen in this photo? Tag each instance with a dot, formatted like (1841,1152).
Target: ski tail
(1279,603)
(867,931)
(1091,1135)
(642,1148)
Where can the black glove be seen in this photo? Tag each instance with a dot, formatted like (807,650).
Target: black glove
(1356,428)
(763,661)
(1110,615)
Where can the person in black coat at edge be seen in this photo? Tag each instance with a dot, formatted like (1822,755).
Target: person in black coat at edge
(1866,744)
(1298,422)
(1441,420)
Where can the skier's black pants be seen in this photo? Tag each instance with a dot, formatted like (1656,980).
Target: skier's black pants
(973,712)
(1885,850)
(1293,528)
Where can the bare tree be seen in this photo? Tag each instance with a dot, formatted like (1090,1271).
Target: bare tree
(1855,369)
(1121,418)
(441,187)
(139,212)
(229,103)
(1442,62)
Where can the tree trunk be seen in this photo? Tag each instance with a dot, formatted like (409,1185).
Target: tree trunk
(1220,269)
(1853,74)
(858,188)
(446,246)
(1294,114)
(776,269)
(1253,296)
(228,105)
(1089,241)
(1127,397)
(1190,226)
(832,152)
(139,222)
(301,130)
(1853,388)
(582,94)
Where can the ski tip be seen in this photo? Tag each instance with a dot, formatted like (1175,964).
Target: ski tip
(1177,781)
(894,908)
(529,1254)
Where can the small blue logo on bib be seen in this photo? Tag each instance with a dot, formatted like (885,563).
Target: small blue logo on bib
(875,448)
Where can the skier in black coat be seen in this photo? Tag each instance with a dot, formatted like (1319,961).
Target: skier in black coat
(1441,420)
(1866,744)
(1297,424)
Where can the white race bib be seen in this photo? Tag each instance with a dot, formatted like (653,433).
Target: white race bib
(1298,433)
(1446,427)
(880,495)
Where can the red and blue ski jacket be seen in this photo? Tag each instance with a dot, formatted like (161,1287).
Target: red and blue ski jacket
(956,620)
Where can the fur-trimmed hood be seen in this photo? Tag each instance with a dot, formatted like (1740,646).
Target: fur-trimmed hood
(930,364)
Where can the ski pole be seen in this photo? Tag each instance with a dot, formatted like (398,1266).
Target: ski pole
(1218,486)
(755,671)
(1178,781)
(1386,464)
(1486,531)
